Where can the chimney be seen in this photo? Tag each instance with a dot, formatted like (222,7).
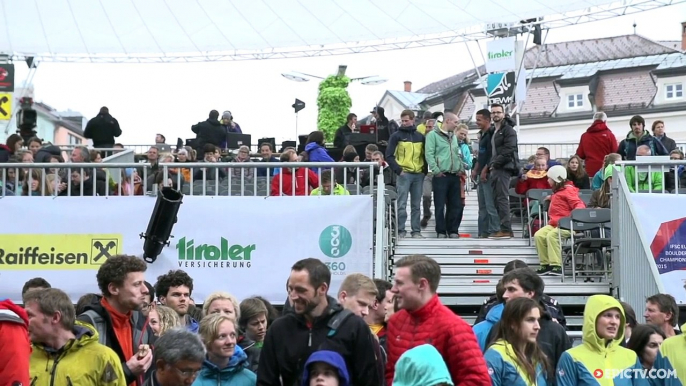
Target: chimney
(408,84)
(683,36)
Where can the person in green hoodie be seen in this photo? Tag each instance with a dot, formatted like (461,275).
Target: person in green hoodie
(600,360)
(446,164)
(648,181)
(422,366)
(329,187)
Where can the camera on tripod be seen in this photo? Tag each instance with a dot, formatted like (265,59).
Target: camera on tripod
(26,119)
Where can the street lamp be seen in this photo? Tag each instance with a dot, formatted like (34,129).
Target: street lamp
(366,80)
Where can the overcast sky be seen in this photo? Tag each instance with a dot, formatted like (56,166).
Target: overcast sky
(169,98)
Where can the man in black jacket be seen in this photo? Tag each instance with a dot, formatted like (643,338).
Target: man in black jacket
(503,166)
(121,279)
(552,337)
(550,304)
(102,129)
(316,322)
(208,131)
(488,223)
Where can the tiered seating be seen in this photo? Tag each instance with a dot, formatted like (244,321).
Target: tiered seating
(471,267)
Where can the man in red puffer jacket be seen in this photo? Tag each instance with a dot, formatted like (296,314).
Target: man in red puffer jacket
(305,179)
(423,319)
(597,142)
(16,347)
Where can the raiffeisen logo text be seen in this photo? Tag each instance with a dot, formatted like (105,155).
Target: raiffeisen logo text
(635,374)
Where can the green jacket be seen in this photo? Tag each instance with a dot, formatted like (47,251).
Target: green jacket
(338,190)
(81,362)
(645,182)
(443,153)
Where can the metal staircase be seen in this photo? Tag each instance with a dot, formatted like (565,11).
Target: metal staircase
(471,267)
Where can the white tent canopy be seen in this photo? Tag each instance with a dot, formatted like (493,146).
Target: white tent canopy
(169,30)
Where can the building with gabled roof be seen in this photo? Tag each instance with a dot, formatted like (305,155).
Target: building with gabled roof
(623,76)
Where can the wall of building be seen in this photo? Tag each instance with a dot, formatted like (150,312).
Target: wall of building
(570,131)
(64,136)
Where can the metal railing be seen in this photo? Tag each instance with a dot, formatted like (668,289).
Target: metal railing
(654,176)
(635,275)
(196,178)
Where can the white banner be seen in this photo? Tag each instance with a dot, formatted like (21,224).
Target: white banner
(500,55)
(662,218)
(242,245)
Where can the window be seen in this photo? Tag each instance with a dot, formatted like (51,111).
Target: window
(575,101)
(74,140)
(674,91)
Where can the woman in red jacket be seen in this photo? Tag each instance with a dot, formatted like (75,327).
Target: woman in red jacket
(564,200)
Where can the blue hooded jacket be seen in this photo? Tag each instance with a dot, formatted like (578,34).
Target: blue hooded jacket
(317,153)
(236,374)
(481,330)
(331,358)
(192,325)
(421,366)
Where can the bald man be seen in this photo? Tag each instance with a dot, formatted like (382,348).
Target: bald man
(444,159)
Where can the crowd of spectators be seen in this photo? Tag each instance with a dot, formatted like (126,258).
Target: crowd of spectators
(366,332)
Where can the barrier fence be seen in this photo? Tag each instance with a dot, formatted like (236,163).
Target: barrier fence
(643,262)
(196,178)
(214,179)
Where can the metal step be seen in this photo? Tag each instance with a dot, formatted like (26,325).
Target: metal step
(470,251)
(462,243)
(477,300)
(487,260)
(551,288)
(486,270)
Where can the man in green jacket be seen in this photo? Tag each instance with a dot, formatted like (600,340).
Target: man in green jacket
(444,159)
(643,181)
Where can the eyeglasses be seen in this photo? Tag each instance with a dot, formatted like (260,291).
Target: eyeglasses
(187,373)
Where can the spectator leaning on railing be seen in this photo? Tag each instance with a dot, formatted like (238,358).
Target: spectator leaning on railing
(646,181)
(283,183)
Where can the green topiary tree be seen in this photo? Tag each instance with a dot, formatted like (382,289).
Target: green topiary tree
(334,104)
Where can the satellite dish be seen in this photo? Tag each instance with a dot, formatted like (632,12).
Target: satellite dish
(298,105)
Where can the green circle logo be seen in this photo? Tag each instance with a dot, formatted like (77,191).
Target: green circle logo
(335,241)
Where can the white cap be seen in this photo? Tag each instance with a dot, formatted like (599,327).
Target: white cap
(558,173)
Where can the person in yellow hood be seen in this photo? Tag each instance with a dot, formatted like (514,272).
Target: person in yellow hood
(600,360)
(66,352)
(673,371)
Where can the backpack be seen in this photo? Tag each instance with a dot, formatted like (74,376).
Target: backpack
(100,325)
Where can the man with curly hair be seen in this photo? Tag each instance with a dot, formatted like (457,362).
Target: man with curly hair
(174,290)
(117,316)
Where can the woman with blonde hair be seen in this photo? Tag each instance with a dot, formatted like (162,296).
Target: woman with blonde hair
(222,303)
(226,364)
(162,319)
(37,185)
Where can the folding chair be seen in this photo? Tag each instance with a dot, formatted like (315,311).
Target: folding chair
(537,195)
(585,197)
(595,225)
(353,189)
(517,206)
